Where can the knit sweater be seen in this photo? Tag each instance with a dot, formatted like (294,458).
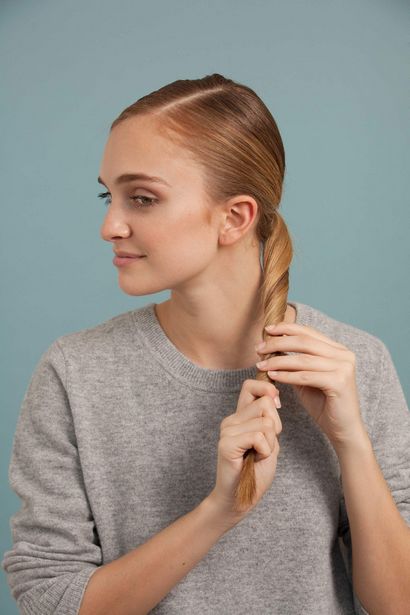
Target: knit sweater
(117,438)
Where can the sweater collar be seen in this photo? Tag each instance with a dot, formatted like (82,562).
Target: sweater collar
(173,361)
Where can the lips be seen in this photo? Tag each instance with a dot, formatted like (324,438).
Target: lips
(128,255)
(122,261)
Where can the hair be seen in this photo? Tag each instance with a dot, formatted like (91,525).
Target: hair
(230,132)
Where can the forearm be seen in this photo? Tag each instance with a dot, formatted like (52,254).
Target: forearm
(380,536)
(134,583)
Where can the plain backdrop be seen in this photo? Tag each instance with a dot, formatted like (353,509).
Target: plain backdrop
(333,73)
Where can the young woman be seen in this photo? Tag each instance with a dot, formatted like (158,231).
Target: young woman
(147,450)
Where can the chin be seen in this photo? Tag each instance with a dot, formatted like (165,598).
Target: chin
(138,290)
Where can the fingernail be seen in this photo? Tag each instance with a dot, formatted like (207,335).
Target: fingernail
(261,363)
(277,402)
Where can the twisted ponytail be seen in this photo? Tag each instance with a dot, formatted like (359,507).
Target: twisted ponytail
(277,257)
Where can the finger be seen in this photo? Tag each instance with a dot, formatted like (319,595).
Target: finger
(266,424)
(290,328)
(253,389)
(262,407)
(301,343)
(299,362)
(236,446)
(320,380)
(267,428)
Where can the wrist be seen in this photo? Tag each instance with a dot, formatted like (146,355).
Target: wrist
(357,446)
(218,515)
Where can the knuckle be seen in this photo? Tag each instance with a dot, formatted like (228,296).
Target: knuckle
(225,422)
(273,413)
(344,374)
(268,421)
(271,388)
(351,365)
(268,402)
(304,376)
(274,418)
(351,356)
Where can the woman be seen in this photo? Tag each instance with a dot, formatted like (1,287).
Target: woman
(138,439)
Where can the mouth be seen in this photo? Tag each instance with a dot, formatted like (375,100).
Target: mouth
(124,260)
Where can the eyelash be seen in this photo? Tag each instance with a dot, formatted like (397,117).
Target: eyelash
(151,200)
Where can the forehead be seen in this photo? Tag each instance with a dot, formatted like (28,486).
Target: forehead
(137,145)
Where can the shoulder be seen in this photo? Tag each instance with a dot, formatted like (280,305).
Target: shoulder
(111,338)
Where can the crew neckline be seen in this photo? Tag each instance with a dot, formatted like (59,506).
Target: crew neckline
(180,366)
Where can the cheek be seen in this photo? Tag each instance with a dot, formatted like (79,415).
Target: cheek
(185,242)
(196,232)
(188,225)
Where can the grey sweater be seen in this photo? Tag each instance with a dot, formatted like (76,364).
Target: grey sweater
(117,438)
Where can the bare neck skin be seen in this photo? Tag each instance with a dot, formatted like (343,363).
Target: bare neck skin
(217,334)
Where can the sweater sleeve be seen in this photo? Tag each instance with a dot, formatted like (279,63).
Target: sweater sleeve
(390,437)
(55,546)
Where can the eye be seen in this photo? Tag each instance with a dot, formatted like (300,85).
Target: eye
(146,200)
(103,195)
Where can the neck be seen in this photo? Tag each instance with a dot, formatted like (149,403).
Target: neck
(217,331)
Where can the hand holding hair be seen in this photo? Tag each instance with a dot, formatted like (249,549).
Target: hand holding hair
(253,427)
(247,487)
(323,375)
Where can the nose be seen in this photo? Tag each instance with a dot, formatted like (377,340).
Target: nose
(114,226)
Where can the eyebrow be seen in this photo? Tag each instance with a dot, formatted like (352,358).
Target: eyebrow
(127,177)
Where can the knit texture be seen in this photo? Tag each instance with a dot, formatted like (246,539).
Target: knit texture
(117,438)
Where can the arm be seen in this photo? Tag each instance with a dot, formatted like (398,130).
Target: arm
(55,546)
(378,523)
(56,550)
(134,583)
(380,536)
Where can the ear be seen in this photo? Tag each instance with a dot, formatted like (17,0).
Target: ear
(238,217)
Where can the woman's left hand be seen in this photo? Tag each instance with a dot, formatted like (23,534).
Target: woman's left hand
(323,376)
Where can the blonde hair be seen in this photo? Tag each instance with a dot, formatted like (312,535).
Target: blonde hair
(227,128)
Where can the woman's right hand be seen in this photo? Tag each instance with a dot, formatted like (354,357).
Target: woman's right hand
(254,424)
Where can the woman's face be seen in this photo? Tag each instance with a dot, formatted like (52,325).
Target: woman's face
(178,231)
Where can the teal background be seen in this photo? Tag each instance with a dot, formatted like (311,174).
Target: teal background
(335,77)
